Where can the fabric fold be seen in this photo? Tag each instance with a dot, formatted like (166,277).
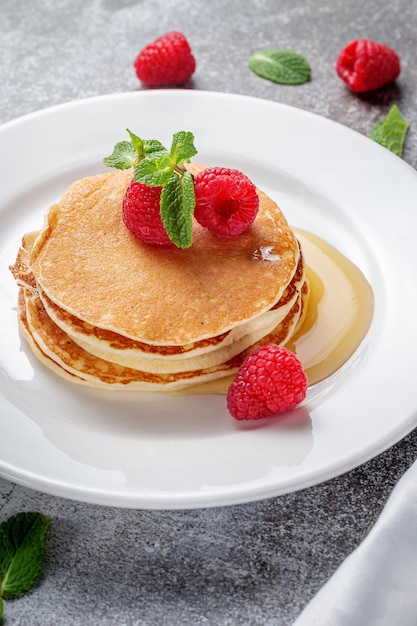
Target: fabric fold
(376,585)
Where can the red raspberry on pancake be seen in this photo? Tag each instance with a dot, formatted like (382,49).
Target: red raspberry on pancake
(226,201)
(142,214)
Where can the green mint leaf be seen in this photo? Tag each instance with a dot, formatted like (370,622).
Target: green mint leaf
(145,146)
(182,148)
(153,145)
(128,154)
(177,207)
(155,166)
(391,131)
(281,66)
(22,548)
(154,170)
(123,157)
(137,143)
(376,132)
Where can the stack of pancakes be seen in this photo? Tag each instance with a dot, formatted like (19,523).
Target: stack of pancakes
(101,308)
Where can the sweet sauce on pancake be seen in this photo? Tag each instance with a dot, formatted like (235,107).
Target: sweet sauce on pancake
(339,313)
(340,309)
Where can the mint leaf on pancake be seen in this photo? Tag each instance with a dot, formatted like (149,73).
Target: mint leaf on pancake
(137,143)
(177,198)
(22,548)
(124,155)
(150,146)
(127,154)
(177,207)
(280,66)
(146,146)
(391,131)
(182,147)
(154,170)
(155,166)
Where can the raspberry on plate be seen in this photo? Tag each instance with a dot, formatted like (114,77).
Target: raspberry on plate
(226,201)
(366,65)
(166,61)
(270,380)
(142,215)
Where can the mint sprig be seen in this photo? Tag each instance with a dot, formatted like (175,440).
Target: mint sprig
(391,131)
(155,171)
(124,155)
(177,207)
(22,549)
(127,154)
(156,166)
(280,66)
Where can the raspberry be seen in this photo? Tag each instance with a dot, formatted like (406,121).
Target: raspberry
(270,380)
(166,61)
(365,65)
(142,216)
(226,201)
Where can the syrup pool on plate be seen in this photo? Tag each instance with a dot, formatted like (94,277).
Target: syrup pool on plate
(339,313)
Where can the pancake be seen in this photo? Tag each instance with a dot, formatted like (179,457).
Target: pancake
(87,262)
(166,359)
(21,270)
(55,349)
(102,309)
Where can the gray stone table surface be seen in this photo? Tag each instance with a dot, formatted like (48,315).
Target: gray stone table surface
(257,563)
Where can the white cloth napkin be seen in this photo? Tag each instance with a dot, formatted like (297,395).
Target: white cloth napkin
(377,584)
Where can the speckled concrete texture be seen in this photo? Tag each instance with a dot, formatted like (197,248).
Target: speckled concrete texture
(254,564)
(54,52)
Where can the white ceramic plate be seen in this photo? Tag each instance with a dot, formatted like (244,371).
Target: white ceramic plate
(156,451)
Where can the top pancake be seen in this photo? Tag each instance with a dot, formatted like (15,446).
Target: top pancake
(89,264)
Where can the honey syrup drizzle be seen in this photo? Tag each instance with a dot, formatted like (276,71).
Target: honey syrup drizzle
(339,314)
(339,311)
